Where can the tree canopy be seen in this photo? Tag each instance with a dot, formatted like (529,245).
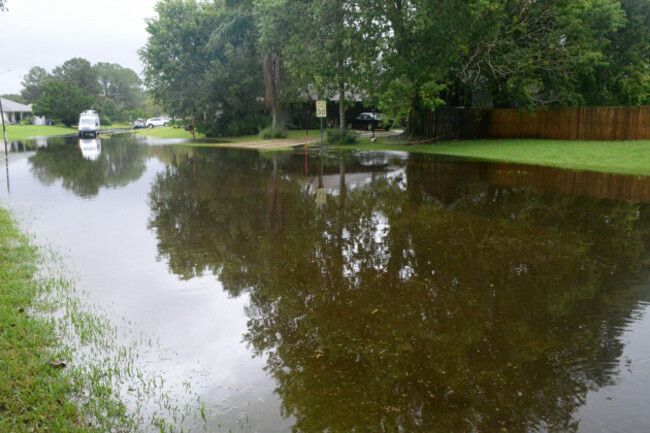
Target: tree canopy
(219,60)
(113,91)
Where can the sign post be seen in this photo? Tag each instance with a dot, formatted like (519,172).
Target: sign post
(321,112)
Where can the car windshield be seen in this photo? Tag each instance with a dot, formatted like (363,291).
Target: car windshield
(87,121)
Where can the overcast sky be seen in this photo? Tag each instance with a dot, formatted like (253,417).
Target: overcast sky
(46,33)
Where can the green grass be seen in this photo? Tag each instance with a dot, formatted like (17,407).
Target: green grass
(625,157)
(117,126)
(169,132)
(293,135)
(34,395)
(19,132)
(166,132)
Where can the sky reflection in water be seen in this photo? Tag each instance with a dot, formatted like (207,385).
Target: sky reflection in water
(410,294)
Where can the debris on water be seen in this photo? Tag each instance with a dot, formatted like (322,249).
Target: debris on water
(56,364)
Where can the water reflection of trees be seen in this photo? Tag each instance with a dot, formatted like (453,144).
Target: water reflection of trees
(384,310)
(119,163)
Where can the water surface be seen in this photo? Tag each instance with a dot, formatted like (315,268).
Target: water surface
(377,292)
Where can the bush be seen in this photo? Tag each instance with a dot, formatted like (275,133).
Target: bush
(336,136)
(273,132)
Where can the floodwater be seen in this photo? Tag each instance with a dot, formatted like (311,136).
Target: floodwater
(379,292)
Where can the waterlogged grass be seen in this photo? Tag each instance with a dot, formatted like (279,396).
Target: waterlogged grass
(34,393)
(166,132)
(169,132)
(20,132)
(624,157)
(61,366)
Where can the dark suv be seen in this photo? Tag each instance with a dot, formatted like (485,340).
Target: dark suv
(371,121)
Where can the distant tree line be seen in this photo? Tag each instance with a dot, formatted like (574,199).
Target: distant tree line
(223,62)
(113,91)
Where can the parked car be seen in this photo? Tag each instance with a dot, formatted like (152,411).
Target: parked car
(138,123)
(156,121)
(371,121)
(89,123)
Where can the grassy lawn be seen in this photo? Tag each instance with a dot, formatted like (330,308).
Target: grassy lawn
(169,132)
(34,395)
(19,132)
(117,126)
(166,132)
(626,157)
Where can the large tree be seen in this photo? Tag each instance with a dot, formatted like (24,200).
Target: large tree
(407,57)
(622,77)
(33,84)
(79,73)
(121,90)
(62,101)
(325,47)
(524,53)
(200,60)
(114,91)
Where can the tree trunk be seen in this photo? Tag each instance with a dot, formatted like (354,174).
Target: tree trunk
(274,116)
(342,106)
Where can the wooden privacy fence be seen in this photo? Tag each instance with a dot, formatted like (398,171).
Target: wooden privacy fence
(450,123)
(574,123)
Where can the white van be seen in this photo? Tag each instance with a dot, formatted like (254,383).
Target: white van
(88,123)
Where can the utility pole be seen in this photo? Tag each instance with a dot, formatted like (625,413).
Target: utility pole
(4,129)
(2,114)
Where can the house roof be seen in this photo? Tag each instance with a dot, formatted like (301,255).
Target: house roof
(14,107)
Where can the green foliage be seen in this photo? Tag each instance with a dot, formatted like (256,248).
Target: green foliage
(62,101)
(342,137)
(219,61)
(112,90)
(273,132)
(121,92)
(78,72)
(33,84)
(201,61)
(14,97)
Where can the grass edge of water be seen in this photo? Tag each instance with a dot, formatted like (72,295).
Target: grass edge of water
(60,364)
(35,395)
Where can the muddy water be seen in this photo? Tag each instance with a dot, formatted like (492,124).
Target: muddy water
(377,292)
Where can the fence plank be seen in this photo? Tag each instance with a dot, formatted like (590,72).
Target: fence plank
(572,123)
(575,123)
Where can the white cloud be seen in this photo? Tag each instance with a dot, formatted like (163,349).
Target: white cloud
(46,33)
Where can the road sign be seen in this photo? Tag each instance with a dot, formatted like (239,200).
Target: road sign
(321,108)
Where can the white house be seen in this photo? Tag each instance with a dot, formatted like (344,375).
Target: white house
(15,112)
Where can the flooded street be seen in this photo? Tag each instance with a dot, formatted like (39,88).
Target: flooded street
(378,292)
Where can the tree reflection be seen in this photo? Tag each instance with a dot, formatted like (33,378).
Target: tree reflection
(389,309)
(118,163)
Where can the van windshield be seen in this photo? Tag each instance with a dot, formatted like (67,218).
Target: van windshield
(86,121)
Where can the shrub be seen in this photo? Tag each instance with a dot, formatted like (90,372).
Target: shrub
(336,136)
(273,132)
